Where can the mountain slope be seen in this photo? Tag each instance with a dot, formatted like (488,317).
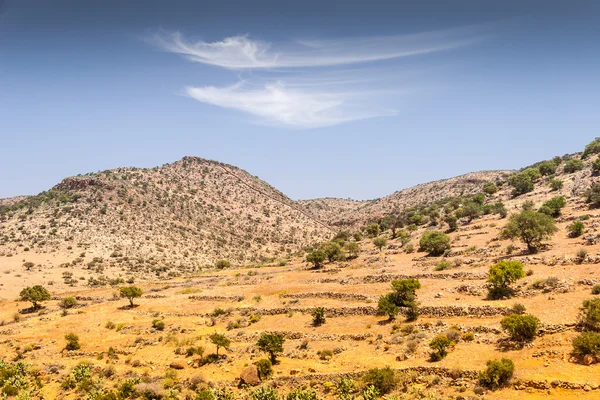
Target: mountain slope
(190,213)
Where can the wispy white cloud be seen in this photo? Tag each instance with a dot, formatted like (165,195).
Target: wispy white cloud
(242,52)
(286,88)
(278,104)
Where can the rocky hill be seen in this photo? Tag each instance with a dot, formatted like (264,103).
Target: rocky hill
(185,214)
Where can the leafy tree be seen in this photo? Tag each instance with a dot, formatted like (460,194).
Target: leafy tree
(521,183)
(271,343)
(439,344)
(531,227)
(497,373)
(452,222)
(490,188)
(596,166)
(316,257)
(332,250)
(470,210)
(521,328)
(576,229)
(593,196)
(72,341)
(587,343)
(547,167)
(318,315)
(352,248)
(387,305)
(383,379)
(35,295)
(130,292)
(592,148)
(219,340)
(573,165)
(502,275)
(264,367)
(435,242)
(533,173)
(373,229)
(553,206)
(555,184)
(222,264)
(380,242)
(590,315)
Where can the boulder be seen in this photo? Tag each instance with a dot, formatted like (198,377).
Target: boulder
(249,376)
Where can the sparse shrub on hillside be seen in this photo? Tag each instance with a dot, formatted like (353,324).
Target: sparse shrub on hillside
(264,393)
(573,165)
(587,343)
(553,206)
(435,242)
(332,250)
(490,188)
(222,264)
(531,227)
(358,236)
(386,305)
(521,183)
(68,302)
(158,324)
(271,343)
(521,328)
(452,222)
(373,229)
(547,167)
(383,379)
(581,255)
(442,265)
(596,289)
(318,316)
(352,249)
(72,342)
(265,368)
(518,309)
(497,374)
(220,341)
(439,345)
(593,196)
(575,229)
(316,257)
(380,242)
(555,184)
(591,148)
(35,294)
(502,275)
(468,336)
(130,292)
(590,315)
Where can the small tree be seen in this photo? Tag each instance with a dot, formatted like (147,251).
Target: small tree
(72,341)
(130,292)
(553,206)
(490,188)
(271,343)
(373,229)
(332,250)
(435,242)
(521,328)
(596,166)
(352,248)
(497,374)
(222,264)
(521,183)
(452,222)
(502,275)
(573,165)
(380,242)
(219,340)
(318,315)
(35,295)
(531,227)
(68,302)
(440,345)
(547,167)
(593,196)
(555,184)
(316,257)
(387,306)
(590,315)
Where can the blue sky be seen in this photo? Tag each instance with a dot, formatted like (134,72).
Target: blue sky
(318,98)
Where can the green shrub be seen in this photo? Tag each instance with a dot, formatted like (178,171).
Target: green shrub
(383,379)
(264,393)
(518,309)
(555,184)
(490,188)
(302,394)
(590,315)
(502,275)
(316,257)
(265,368)
(553,206)
(575,229)
(72,341)
(531,227)
(158,325)
(587,343)
(547,167)
(380,242)
(497,373)
(468,336)
(222,264)
(573,165)
(596,289)
(593,196)
(318,315)
(68,302)
(592,148)
(439,344)
(521,183)
(442,265)
(521,328)
(435,242)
